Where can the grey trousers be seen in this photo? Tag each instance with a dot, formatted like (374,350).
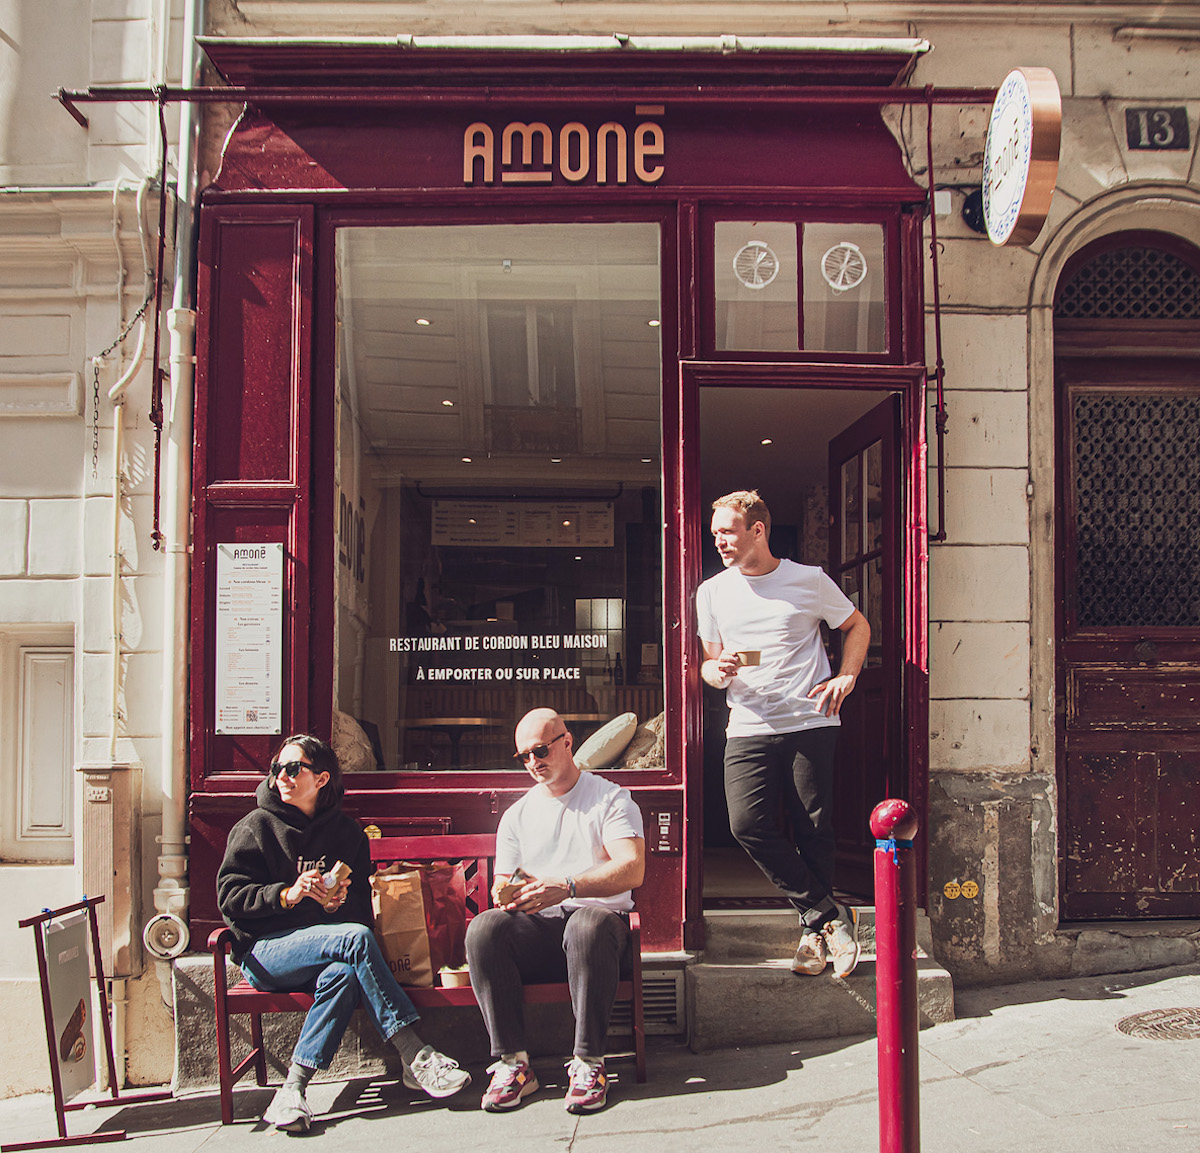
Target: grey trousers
(583,946)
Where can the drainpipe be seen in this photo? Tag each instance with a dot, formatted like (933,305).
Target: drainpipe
(166,934)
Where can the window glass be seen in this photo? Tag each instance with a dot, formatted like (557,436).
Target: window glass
(844,280)
(756,286)
(498,489)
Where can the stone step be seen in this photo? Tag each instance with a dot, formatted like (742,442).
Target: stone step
(765,1002)
(733,935)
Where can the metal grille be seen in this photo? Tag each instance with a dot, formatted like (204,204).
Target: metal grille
(662,994)
(1131,284)
(1163,1025)
(1137,509)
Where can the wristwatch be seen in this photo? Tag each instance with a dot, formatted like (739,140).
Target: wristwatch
(570,888)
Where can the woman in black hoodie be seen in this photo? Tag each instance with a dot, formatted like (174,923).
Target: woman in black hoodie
(294,927)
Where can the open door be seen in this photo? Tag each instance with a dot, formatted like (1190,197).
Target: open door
(864,559)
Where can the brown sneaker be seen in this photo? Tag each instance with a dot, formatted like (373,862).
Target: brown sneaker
(810,954)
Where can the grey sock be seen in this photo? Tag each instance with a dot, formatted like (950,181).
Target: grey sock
(298,1076)
(408,1043)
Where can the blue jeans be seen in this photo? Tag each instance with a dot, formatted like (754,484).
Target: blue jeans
(342,965)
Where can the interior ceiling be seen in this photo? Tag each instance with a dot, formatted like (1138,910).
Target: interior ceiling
(800,422)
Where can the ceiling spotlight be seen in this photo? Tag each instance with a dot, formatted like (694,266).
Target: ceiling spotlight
(466,460)
(424,322)
(566,524)
(471,520)
(647,460)
(448,403)
(654,323)
(556,460)
(579,558)
(766,440)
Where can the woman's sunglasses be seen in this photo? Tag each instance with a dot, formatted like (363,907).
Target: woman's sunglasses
(290,769)
(538,751)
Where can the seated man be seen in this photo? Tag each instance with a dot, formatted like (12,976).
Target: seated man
(577,839)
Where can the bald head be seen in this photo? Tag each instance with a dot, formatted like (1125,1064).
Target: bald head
(544,748)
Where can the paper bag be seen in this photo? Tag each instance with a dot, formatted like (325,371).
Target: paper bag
(444,887)
(400,926)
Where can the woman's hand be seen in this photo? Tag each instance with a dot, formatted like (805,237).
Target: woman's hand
(337,896)
(309,884)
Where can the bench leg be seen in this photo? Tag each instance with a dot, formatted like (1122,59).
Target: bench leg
(224,1063)
(260,1052)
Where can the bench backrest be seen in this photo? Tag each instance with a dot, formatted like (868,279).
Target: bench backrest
(475,850)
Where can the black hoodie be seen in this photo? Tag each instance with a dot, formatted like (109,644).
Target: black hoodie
(269,848)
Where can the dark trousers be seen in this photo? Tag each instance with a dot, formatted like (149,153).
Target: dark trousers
(796,770)
(582,946)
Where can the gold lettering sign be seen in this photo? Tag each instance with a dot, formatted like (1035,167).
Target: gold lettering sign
(534,153)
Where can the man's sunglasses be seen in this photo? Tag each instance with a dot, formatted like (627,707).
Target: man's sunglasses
(538,751)
(290,769)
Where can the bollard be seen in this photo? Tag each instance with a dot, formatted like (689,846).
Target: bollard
(895,824)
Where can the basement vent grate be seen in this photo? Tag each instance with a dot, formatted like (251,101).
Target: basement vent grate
(1163,1025)
(662,991)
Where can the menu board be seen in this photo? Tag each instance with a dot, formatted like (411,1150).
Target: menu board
(523,524)
(249,638)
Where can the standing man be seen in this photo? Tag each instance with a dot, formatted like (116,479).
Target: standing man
(577,842)
(759,622)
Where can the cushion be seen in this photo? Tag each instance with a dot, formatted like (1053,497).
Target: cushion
(646,750)
(351,744)
(607,743)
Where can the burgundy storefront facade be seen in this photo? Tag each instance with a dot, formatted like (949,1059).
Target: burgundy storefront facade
(481,334)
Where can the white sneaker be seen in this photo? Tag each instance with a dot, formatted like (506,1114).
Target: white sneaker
(841,942)
(435,1074)
(288,1110)
(810,954)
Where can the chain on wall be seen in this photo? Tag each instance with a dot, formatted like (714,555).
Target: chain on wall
(1137,509)
(97,360)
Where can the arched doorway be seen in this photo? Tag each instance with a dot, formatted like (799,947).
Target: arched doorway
(1127,384)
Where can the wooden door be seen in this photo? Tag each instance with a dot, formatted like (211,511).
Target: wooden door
(864,500)
(1129,637)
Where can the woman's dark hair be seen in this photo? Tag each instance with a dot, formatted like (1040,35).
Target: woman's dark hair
(324,760)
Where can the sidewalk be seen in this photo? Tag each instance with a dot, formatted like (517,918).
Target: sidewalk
(1025,1067)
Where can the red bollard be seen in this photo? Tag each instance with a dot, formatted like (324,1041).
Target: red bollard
(894,825)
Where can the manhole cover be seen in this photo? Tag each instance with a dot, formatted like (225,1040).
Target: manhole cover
(1163,1025)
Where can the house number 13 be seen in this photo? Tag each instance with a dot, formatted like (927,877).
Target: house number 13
(1157,129)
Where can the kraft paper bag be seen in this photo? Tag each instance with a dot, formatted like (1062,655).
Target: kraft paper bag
(400,926)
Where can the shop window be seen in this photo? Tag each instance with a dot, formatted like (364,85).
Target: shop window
(830,299)
(755,280)
(37,752)
(498,452)
(844,281)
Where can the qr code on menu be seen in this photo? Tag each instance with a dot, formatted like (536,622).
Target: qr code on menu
(252,716)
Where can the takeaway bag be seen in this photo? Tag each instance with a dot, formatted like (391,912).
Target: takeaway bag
(400,926)
(421,919)
(444,887)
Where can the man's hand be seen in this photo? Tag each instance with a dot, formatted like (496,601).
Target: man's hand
(856,637)
(720,667)
(830,694)
(537,894)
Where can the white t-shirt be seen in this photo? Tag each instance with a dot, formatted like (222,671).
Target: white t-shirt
(565,836)
(780,615)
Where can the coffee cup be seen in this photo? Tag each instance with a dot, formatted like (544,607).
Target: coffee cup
(749,656)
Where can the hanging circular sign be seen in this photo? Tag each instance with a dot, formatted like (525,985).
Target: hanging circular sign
(1020,159)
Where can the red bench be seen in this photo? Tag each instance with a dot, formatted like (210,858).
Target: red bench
(476,851)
